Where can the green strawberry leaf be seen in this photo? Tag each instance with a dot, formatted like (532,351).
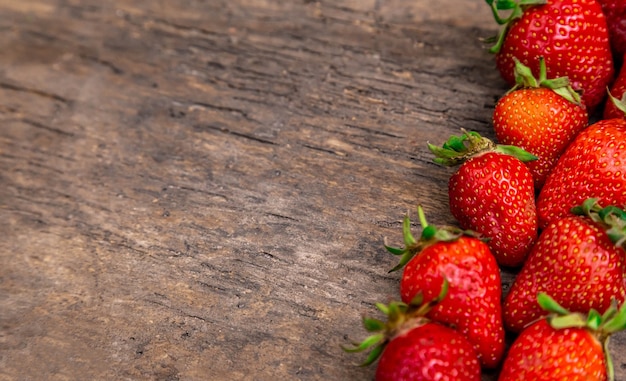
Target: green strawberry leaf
(520,154)
(418,299)
(547,303)
(516,9)
(365,344)
(400,317)
(430,235)
(373,325)
(594,319)
(373,355)
(394,250)
(612,218)
(619,103)
(383,308)
(505,4)
(617,322)
(568,321)
(524,78)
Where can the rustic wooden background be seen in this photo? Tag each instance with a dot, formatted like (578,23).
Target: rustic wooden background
(199,190)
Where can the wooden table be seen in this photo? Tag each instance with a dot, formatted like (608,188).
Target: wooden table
(199,190)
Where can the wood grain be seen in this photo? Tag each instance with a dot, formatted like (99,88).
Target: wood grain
(199,190)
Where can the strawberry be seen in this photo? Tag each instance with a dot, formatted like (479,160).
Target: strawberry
(571,35)
(540,116)
(593,165)
(577,260)
(473,303)
(615,13)
(615,107)
(411,347)
(564,346)
(492,193)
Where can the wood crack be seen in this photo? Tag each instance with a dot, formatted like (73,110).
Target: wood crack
(235,133)
(44,127)
(108,64)
(208,106)
(327,150)
(38,92)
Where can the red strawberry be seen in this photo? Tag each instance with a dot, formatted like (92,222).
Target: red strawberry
(564,346)
(492,193)
(412,348)
(593,165)
(540,116)
(615,12)
(571,35)
(473,303)
(616,105)
(575,260)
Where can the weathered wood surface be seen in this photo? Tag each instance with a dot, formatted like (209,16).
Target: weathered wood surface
(199,190)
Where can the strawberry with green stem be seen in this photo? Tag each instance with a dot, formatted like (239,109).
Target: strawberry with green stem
(579,260)
(473,303)
(492,192)
(571,35)
(565,346)
(409,346)
(541,116)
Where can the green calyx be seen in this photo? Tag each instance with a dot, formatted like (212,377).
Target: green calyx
(401,317)
(601,326)
(611,218)
(515,10)
(619,103)
(430,235)
(524,78)
(458,149)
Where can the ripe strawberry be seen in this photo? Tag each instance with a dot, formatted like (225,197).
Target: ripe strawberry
(593,165)
(575,260)
(571,35)
(615,12)
(564,346)
(413,348)
(616,105)
(473,303)
(540,116)
(492,193)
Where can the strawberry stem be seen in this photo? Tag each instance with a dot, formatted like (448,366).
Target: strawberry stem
(524,78)
(401,317)
(611,218)
(458,149)
(430,235)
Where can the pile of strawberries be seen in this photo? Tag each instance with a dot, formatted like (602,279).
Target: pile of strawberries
(547,201)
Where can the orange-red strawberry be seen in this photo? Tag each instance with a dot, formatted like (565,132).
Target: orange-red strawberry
(616,104)
(492,193)
(541,353)
(571,35)
(410,347)
(577,260)
(473,302)
(541,116)
(593,165)
(564,346)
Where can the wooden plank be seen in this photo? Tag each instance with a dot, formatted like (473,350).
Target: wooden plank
(200,190)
